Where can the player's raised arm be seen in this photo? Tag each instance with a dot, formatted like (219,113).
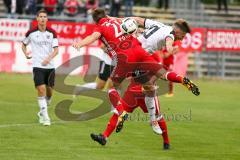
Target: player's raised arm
(139,20)
(88,40)
(169,46)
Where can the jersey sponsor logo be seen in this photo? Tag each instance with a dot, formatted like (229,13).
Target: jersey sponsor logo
(43,43)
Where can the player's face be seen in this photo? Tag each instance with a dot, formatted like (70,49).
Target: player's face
(42,19)
(179,34)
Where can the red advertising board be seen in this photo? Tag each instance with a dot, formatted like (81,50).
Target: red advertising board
(194,41)
(69,32)
(223,40)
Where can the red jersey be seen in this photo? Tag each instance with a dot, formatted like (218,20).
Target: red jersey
(113,38)
(125,50)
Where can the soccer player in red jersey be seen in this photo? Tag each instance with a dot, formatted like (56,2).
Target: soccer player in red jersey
(129,56)
(133,97)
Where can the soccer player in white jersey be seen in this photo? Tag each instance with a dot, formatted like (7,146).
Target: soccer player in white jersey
(44,47)
(105,70)
(157,35)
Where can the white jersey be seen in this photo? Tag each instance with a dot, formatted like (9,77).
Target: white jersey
(154,36)
(42,44)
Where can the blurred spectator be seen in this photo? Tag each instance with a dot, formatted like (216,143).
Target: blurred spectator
(13,6)
(50,6)
(39,5)
(60,6)
(224,3)
(115,8)
(128,7)
(92,4)
(20,6)
(17,6)
(71,7)
(142,2)
(31,7)
(106,4)
(8,4)
(160,4)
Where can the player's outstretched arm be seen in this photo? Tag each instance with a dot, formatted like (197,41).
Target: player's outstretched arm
(139,20)
(88,40)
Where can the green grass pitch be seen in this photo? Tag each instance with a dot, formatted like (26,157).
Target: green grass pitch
(207,127)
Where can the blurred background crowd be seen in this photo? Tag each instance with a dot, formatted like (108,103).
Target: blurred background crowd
(76,7)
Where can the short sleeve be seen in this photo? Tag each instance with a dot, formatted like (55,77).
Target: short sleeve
(97,29)
(148,23)
(169,33)
(55,42)
(26,40)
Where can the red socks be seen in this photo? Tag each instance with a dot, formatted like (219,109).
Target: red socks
(111,126)
(115,100)
(163,126)
(114,97)
(173,77)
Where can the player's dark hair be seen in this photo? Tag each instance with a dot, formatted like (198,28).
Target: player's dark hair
(98,14)
(183,25)
(41,11)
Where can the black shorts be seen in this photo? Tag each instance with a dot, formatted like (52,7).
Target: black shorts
(43,76)
(105,71)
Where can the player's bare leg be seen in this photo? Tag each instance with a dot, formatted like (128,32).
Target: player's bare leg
(43,114)
(49,93)
(170,90)
(99,84)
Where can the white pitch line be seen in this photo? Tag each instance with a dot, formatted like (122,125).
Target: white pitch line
(17,103)
(27,124)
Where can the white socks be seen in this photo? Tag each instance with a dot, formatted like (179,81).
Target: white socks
(150,103)
(43,107)
(92,85)
(84,87)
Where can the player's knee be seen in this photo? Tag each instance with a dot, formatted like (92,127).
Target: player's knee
(149,90)
(100,86)
(41,90)
(162,73)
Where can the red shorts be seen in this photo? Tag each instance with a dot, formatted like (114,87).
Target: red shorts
(134,59)
(134,97)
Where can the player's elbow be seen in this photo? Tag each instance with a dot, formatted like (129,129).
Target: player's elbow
(23,47)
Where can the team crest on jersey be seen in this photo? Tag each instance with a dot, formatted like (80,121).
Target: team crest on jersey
(48,36)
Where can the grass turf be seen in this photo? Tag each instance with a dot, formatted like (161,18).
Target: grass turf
(204,127)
